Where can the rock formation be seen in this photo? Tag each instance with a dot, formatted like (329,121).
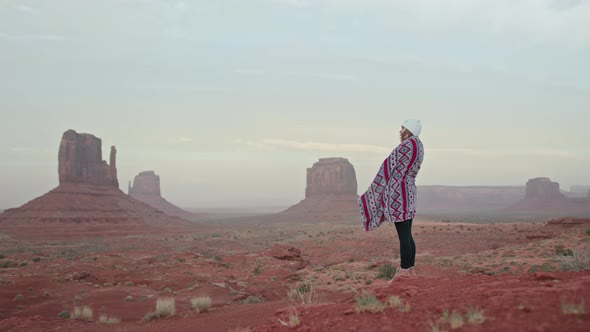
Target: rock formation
(146,188)
(467,199)
(87,201)
(543,197)
(331,176)
(145,183)
(542,188)
(331,187)
(80,161)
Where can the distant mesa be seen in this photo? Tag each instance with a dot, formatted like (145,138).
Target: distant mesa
(467,199)
(580,191)
(544,197)
(331,188)
(146,188)
(542,188)
(87,200)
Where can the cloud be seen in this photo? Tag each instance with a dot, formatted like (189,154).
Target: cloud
(32,37)
(25,9)
(274,143)
(179,140)
(322,76)
(562,21)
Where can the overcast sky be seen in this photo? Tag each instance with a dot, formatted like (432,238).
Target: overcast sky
(229,101)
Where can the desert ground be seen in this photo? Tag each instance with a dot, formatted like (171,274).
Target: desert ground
(282,273)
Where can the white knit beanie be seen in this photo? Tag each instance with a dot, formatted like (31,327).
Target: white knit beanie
(414,126)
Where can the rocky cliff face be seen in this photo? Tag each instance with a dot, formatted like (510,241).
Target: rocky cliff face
(80,161)
(331,176)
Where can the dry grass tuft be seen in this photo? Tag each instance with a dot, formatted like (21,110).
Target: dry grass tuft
(82,313)
(201,304)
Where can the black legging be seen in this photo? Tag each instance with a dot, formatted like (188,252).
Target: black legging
(407,246)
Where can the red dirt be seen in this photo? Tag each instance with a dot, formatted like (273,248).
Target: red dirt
(497,268)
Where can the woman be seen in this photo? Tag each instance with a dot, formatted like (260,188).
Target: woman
(392,195)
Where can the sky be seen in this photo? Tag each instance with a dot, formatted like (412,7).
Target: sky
(229,101)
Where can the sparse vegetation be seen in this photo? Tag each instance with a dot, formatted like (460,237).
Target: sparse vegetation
(386,271)
(587,233)
(108,320)
(397,302)
(560,250)
(304,293)
(252,299)
(456,320)
(2,256)
(24,264)
(475,316)
(201,304)
(129,298)
(8,264)
(368,302)
(150,316)
(573,308)
(19,297)
(36,259)
(578,261)
(64,314)
(293,320)
(166,307)
(82,313)
(129,283)
(256,270)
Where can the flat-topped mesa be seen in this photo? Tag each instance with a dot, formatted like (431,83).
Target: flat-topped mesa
(146,183)
(80,161)
(331,176)
(542,188)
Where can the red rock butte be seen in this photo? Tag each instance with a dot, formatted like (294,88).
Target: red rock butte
(146,188)
(331,187)
(544,197)
(87,201)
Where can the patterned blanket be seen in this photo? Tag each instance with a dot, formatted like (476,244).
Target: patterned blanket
(392,195)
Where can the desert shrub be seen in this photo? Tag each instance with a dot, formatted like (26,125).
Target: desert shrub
(386,271)
(82,313)
(64,314)
(253,299)
(201,304)
(573,308)
(36,259)
(397,302)
(292,322)
(165,307)
(475,316)
(368,302)
(8,264)
(305,293)
(561,251)
(150,316)
(578,261)
(109,320)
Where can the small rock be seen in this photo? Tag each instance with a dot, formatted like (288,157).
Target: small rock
(545,276)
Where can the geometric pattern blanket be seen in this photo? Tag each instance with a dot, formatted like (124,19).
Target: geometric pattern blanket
(392,194)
